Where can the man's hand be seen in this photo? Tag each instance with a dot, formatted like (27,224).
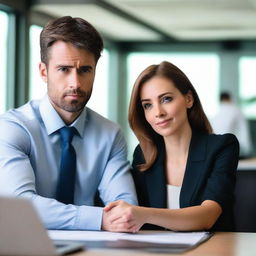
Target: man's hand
(120,216)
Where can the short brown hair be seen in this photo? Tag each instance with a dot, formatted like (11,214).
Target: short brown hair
(147,137)
(77,31)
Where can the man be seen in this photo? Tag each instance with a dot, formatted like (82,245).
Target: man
(230,119)
(43,141)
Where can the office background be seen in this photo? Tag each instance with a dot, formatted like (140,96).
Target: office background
(213,42)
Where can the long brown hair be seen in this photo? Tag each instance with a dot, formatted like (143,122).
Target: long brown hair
(147,137)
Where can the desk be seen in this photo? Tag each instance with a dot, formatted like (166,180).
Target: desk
(247,164)
(221,244)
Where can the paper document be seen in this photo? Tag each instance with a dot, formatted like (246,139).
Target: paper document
(162,237)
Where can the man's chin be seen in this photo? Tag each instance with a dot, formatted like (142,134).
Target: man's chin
(73,108)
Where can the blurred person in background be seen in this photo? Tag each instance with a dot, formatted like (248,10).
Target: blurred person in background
(230,119)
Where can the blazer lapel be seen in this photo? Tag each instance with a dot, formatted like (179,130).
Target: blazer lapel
(194,168)
(156,181)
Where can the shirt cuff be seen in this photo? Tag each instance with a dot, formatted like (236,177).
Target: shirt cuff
(89,218)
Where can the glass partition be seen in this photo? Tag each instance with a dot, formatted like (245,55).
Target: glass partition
(247,86)
(3,58)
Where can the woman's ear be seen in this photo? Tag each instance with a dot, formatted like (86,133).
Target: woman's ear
(189,99)
(43,71)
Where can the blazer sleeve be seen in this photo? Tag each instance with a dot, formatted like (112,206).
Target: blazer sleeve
(221,181)
(138,177)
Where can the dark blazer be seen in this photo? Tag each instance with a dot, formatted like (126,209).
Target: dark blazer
(210,175)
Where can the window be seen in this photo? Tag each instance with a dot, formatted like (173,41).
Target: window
(202,69)
(99,99)
(100,94)
(247,86)
(3,58)
(37,88)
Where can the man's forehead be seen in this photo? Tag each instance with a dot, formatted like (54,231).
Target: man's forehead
(67,52)
(72,61)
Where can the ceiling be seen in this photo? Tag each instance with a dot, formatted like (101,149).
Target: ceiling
(158,20)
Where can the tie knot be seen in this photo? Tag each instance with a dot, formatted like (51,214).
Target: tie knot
(67,133)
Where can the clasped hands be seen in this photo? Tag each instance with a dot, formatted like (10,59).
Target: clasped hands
(120,216)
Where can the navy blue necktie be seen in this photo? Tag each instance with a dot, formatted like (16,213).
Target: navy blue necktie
(67,174)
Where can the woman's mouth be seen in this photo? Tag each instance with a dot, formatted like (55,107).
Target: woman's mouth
(163,123)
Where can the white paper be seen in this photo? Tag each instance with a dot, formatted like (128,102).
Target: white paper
(163,237)
(83,235)
(167,237)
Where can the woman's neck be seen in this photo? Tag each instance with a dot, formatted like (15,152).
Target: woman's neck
(177,148)
(178,144)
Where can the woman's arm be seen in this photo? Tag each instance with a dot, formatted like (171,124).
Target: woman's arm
(130,218)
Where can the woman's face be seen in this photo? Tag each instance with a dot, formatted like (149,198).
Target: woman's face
(164,106)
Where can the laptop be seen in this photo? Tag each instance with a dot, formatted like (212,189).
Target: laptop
(22,233)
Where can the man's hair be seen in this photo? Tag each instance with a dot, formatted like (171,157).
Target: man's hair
(76,31)
(225,96)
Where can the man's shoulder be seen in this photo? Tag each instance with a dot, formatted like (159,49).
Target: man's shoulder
(100,122)
(17,126)
(23,115)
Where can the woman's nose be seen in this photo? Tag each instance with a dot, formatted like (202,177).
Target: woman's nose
(159,111)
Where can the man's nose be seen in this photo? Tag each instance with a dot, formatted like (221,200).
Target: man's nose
(74,80)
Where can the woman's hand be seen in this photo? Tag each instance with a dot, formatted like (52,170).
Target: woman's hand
(120,216)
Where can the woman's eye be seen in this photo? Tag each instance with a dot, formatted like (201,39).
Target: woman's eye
(166,99)
(146,105)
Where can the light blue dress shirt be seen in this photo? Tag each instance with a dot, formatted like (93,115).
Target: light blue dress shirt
(30,158)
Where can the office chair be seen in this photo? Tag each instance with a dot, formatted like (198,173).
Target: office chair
(245,201)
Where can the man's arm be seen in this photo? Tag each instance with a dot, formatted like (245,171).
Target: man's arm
(17,178)
(117,182)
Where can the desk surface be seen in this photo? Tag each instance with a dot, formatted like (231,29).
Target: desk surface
(221,244)
(247,164)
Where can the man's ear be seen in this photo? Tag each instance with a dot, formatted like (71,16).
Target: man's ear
(43,71)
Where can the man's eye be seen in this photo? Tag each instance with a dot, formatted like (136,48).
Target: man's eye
(84,70)
(146,105)
(63,69)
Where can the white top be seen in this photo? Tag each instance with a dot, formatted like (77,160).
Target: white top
(173,196)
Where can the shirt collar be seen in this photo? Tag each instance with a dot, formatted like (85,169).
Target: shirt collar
(54,122)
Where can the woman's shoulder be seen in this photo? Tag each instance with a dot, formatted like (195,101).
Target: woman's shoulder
(215,138)
(214,143)
(138,157)
(227,138)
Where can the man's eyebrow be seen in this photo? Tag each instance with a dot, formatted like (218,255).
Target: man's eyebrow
(73,66)
(86,66)
(64,66)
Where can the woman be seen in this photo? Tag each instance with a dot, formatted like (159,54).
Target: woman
(183,172)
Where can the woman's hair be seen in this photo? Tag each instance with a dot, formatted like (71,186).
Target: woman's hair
(147,137)
(76,31)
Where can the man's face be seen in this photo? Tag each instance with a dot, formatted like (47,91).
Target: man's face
(69,76)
